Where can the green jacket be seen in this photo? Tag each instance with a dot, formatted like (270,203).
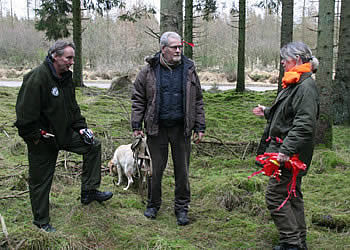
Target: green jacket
(293,118)
(48,103)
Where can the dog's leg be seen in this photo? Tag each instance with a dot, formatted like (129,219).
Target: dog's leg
(110,166)
(119,169)
(130,181)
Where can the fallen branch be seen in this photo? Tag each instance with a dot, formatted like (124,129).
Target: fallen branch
(220,142)
(14,196)
(8,176)
(4,230)
(20,244)
(245,151)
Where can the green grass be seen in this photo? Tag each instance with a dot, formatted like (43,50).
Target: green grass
(227,210)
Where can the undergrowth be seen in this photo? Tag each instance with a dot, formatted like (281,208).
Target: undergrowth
(227,210)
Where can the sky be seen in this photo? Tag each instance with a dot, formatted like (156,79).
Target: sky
(20,9)
(19,6)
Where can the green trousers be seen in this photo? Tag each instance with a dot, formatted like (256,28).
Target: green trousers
(290,219)
(42,162)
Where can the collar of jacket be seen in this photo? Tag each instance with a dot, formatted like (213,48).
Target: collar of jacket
(65,75)
(154,60)
(287,91)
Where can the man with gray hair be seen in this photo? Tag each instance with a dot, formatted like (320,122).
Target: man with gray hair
(49,119)
(167,99)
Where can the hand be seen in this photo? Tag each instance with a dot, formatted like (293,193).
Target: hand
(282,157)
(138,132)
(197,137)
(259,110)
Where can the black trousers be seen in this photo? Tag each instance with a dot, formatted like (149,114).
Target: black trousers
(42,162)
(180,151)
(290,219)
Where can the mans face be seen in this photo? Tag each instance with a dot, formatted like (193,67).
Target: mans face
(172,52)
(64,62)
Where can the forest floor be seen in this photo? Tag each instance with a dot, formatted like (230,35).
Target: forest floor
(227,210)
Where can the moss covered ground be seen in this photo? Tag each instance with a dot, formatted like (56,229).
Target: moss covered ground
(227,210)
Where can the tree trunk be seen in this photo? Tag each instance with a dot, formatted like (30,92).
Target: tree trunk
(241,48)
(171,16)
(286,31)
(303,24)
(188,36)
(28,8)
(325,71)
(11,12)
(78,66)
(341,103)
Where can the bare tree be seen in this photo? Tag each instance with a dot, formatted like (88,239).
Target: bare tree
(286,30)
(78,65)
(1,1)
(325,71)
(342,77)
(241,48)
(188,36)
(28,8)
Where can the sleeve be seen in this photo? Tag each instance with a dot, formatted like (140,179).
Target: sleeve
(28,108)
(306,108)
(200,114)
(267,112)
(79,121)
(139,101)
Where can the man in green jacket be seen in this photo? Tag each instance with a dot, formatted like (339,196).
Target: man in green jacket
(49,119)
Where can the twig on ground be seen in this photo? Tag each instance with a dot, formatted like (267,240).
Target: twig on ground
(20,244)
(222,143)
(14,196)
(4,230)
(8,176)
(245,151)
(6,133)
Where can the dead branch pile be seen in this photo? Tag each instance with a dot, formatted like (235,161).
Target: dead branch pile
(218,147)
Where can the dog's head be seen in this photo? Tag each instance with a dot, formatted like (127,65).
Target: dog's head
(112,168)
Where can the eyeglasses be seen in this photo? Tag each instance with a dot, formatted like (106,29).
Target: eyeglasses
(176,47)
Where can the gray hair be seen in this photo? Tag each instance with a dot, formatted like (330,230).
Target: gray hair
(58,47)
(165,37)
(294,49)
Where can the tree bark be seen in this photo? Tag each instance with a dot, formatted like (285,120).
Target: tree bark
(241,48)
(325,71)
(188,36)
(78,66)
(171,16)
(341,103)
(28,8)
(286,31)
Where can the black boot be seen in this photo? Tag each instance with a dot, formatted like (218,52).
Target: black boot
(151,213)
(182,218)
(304,245)
(46,227)
(95,195)
(285,246)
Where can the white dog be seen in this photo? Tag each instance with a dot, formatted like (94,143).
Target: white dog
(123,161)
